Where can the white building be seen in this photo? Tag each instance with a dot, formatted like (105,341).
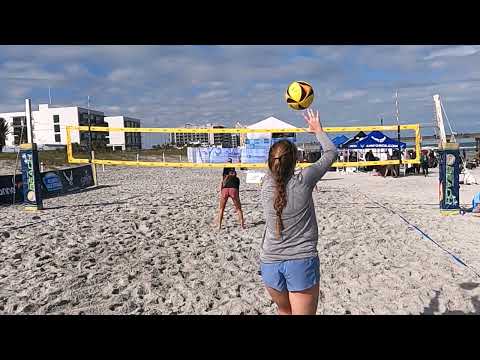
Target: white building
(49,128)
(224,140)
(119,140)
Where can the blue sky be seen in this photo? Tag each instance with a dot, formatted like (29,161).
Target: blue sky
(167,86)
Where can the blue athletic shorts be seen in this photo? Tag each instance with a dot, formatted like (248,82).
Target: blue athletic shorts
(291,275)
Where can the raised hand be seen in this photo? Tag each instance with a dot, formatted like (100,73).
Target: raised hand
(313,121)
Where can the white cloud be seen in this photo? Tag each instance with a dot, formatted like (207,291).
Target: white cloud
(214,94)
(27,71)
(454,51)
(171,85)
(438,64)
(125,74)
(348,95)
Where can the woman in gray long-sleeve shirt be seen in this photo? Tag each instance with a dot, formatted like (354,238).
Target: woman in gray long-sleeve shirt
(289,259)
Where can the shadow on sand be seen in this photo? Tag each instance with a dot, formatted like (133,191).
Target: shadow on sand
(434,307)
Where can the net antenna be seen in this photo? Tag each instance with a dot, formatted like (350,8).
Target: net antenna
(439,117)
(398,128)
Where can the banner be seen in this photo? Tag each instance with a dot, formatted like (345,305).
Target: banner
(63,181)
(290,138)
(254,177)
(53,183)
(212,154)
(221,155)
(449,187)
(255,151)
(7,189)
(32,195)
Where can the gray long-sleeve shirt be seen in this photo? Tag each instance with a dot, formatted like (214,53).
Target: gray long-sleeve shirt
(299,236)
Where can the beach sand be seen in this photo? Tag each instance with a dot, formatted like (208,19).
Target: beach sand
(142,243)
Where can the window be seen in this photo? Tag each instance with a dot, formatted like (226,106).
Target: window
(57,128)
(57,138)
(19,130)
(56,119)
(19,121)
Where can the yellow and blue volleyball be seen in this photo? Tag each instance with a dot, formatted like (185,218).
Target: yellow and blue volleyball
(299,95)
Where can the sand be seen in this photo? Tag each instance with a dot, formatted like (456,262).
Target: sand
(142,243)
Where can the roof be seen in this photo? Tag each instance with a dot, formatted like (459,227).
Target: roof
(377,139)
(271,123)
(339,140)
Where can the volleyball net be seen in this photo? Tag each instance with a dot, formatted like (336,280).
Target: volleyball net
(251,144)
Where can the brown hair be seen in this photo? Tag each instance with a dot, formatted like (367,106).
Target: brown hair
(282,159)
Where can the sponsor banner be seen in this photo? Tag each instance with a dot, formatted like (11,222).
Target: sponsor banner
(213,155)
(66,180)
(221,155)
(32,196)
(7,189)
(255,151)
(254,177)
(449,173)
(53,183)
(291,139)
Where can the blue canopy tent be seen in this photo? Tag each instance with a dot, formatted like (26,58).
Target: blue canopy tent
(377,140)
(339,140)
(353,140)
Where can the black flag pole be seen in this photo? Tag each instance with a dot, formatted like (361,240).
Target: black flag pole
(398,133)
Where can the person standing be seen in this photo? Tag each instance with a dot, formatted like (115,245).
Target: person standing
(424,164)
(227,170)
(230,188)
(290,266)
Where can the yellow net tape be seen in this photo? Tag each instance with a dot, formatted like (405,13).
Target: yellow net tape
(73,160)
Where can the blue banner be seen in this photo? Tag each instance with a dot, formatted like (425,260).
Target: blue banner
(256,150)
(449,186)
(213,155)
(53,183)
(32,196)
(221,155)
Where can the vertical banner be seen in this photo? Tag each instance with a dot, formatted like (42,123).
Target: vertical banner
(449,185)
(255,150)
(32,196)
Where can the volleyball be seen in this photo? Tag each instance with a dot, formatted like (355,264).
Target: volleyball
(299,95)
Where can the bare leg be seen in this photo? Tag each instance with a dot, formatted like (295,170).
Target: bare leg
(304,302)
(238,207)
(282,301)
(223,202)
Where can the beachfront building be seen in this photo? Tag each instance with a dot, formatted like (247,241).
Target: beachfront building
(202,139)
(119,140)
(235,140)
(49,126)
(17,123)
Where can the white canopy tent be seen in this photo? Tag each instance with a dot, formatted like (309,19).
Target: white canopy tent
(269,123)
(255,176)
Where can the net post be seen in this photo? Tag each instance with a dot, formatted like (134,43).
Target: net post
(94,167)
(399,150)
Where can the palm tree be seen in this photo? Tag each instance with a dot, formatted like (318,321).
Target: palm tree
(4,131)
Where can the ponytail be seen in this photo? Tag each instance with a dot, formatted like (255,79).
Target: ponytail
(282,159)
